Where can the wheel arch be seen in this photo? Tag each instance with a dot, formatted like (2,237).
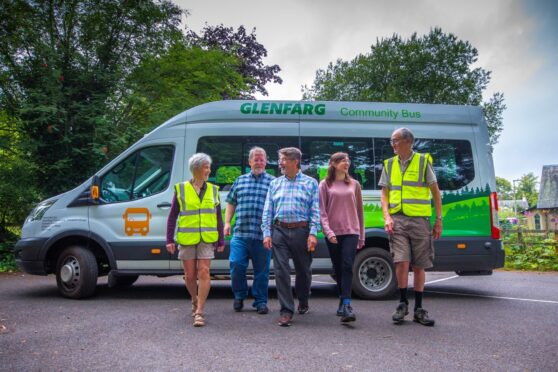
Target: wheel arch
(377,238)
(56,244)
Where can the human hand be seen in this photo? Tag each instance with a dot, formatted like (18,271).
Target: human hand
(171,248)
(437,231)
(267,242)
(312,242)
(332,239)
(220,248)
(227,229)
(360,245)
(388,224)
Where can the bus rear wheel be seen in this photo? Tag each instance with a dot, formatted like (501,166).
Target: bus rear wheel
(374,274)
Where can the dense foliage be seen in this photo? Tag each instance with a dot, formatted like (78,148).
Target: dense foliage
(81,80)
(434,68)
(531,252)
(248,50)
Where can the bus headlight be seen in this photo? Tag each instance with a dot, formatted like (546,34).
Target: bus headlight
(39,211)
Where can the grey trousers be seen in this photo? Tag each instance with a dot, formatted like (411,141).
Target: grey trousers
(291,243)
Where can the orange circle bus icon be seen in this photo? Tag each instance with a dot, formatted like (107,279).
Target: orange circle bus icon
(136,221)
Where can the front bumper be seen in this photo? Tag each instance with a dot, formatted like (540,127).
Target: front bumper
(27,255)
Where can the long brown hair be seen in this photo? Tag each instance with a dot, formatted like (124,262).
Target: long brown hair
(333,160)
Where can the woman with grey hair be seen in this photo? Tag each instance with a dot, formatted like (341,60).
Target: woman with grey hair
(197,210)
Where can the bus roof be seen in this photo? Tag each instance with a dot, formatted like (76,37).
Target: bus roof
(237,110)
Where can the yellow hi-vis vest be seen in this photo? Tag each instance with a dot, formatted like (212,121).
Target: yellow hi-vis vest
(409,192)
(197,220)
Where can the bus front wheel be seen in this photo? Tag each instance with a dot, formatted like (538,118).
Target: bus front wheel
(76,272)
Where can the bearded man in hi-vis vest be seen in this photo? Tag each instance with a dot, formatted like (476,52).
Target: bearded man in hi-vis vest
(407,181)
(197,208)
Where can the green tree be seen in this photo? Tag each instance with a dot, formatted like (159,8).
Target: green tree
(17,179)
(434,68)
(527,188)
(181,78)
(504,188)
(62,69)
(247,49)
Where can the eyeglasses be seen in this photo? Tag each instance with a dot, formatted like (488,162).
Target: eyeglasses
(395,141)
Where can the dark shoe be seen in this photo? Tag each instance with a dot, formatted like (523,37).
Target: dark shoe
(238,305)
(262,309)
(340,308)
(285,320)
(400,311)
(303,309)
(421,316)
(347,314)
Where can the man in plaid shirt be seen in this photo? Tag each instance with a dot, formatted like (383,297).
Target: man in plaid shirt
(290,223)
(247,198)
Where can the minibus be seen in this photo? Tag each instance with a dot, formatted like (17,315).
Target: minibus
(115,222)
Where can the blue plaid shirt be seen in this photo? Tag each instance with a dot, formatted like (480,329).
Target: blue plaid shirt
(293,200)
(248,194)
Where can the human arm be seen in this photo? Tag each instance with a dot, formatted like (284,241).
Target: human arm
(171,225)
(221,240)
(329,234)
(229,213)
(314,216)
(267,217)
(437,198)
(360,213)
(388,221)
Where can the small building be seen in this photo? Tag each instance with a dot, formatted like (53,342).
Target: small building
(545,215)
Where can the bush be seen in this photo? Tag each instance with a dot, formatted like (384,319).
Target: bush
(533,252)
(7,258)
(7,244)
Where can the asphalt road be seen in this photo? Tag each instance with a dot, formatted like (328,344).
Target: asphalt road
(504,322)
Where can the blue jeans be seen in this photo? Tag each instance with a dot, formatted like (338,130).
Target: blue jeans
(243,249)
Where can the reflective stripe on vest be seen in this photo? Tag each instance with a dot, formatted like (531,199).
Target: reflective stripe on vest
(197,220)
(409,192)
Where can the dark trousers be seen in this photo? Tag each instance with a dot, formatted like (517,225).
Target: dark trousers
(343,257)
(291,243)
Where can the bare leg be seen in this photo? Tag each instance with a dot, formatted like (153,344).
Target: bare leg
(191,275)
(419,278)
(204,283)
(402,274)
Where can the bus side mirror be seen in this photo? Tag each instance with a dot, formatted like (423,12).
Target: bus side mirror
(94,190)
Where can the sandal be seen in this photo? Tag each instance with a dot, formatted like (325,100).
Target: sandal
(194,307)
(199,321)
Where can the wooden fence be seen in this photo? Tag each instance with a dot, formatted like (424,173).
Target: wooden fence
(524,237)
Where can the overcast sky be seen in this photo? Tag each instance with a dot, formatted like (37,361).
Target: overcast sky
(517,41)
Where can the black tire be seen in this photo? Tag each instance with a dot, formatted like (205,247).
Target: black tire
(76,273)
(374,274)
(121,280)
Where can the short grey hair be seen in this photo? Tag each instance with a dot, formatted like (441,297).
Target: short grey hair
(197,161)
(254,150)
(291,153)
(406,134)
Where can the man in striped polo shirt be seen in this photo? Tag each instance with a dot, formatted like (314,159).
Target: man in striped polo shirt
(247,198)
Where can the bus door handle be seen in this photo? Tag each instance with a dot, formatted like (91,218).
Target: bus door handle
(164,205)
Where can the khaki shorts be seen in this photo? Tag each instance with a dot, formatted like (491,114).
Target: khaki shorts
(200,251)
(412,241)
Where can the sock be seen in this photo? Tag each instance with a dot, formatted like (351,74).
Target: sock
(346,301)
(418,300)
(403,295)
